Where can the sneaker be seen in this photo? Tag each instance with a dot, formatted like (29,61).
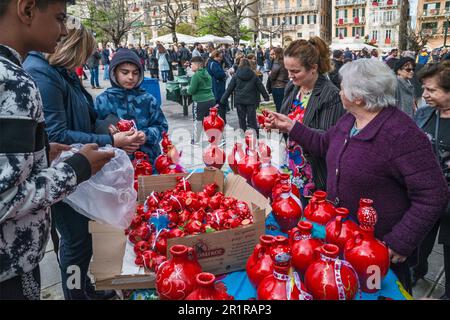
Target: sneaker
(99,294)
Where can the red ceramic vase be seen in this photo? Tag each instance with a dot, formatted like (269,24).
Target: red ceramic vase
(287,210)
(341,229)
(369,257)
(236,156)
(208,290)
(249,165)
(280,252)
(214,156)
(303,246)
(279,286)
(162,162)
(329,278)
(265,177)
(319,210)
(284,179)
(259,264)
(367,215)
(213,125)
(125,125)
(175,278)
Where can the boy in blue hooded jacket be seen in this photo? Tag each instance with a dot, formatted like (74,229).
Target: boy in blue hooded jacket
(126,100)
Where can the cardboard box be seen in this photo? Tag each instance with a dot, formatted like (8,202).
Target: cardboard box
(218,252)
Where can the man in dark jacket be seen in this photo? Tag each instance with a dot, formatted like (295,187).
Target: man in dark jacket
(105,62)
(247,88)
(338,62)
(93,63)
(260,59)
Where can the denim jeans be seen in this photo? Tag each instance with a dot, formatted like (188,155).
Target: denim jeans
(94,77)
(106,72)
(75,249)
(165,75)
(278,96)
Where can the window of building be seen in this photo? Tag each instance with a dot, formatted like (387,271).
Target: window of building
(341,32)
(429,27)
(278,21)
(303,19)
(312,3)
(357,31)
(375,34)
(287,4)
(431,8)
(273,21)
(275,4)
(299,35)
(388,34)
(265,22)
(299,3)
(447,6)
(315,19)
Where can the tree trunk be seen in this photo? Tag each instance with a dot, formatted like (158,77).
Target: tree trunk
(174,35)
(403,26)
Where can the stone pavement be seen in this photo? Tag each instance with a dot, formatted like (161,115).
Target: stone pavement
(180,128)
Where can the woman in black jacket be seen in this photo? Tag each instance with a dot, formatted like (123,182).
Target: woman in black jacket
(434,120)
(247,88)
(316,102)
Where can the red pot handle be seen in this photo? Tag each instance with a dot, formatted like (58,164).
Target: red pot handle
(338,225)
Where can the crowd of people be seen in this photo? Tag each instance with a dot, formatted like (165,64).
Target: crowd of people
(362,129)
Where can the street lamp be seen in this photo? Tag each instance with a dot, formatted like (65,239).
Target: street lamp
(447,25)
(282,32)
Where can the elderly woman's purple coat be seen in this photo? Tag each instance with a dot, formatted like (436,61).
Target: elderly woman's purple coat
(390,161)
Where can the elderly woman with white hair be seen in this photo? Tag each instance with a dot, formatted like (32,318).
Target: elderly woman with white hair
(376,151)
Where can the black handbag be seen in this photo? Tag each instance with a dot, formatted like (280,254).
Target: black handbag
(269,85)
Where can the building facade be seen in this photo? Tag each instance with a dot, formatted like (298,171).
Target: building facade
(282,21)
(376,22)
(433,17)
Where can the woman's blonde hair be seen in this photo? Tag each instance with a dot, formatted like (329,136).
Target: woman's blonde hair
(74,49)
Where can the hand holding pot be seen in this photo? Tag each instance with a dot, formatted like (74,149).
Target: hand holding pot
(278,121)
(129,141)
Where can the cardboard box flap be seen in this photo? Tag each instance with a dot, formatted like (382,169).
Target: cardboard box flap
(236,186)
(108,246)
(158,183)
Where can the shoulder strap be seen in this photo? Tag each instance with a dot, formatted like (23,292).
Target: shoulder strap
(6,53)
(436,135)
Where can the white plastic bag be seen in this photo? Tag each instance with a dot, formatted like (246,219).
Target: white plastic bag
(109,196)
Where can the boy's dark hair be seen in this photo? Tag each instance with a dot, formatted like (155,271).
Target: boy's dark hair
(441,70)
(41,4)
(198,60)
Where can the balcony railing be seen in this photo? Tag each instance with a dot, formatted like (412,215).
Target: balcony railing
(271,10)
(354,20)
(434,13)
(342,3)
(429,31)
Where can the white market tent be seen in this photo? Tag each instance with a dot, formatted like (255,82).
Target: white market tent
(351,46)
(181,38)
(214,39)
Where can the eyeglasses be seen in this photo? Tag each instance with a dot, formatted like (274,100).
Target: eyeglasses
(409,70)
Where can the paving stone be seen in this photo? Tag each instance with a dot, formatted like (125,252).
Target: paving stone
(422,289)
(50,273)
(437,292)
(54,292)
(435,265)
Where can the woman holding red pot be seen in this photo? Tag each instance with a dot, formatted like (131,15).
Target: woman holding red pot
(376,151)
